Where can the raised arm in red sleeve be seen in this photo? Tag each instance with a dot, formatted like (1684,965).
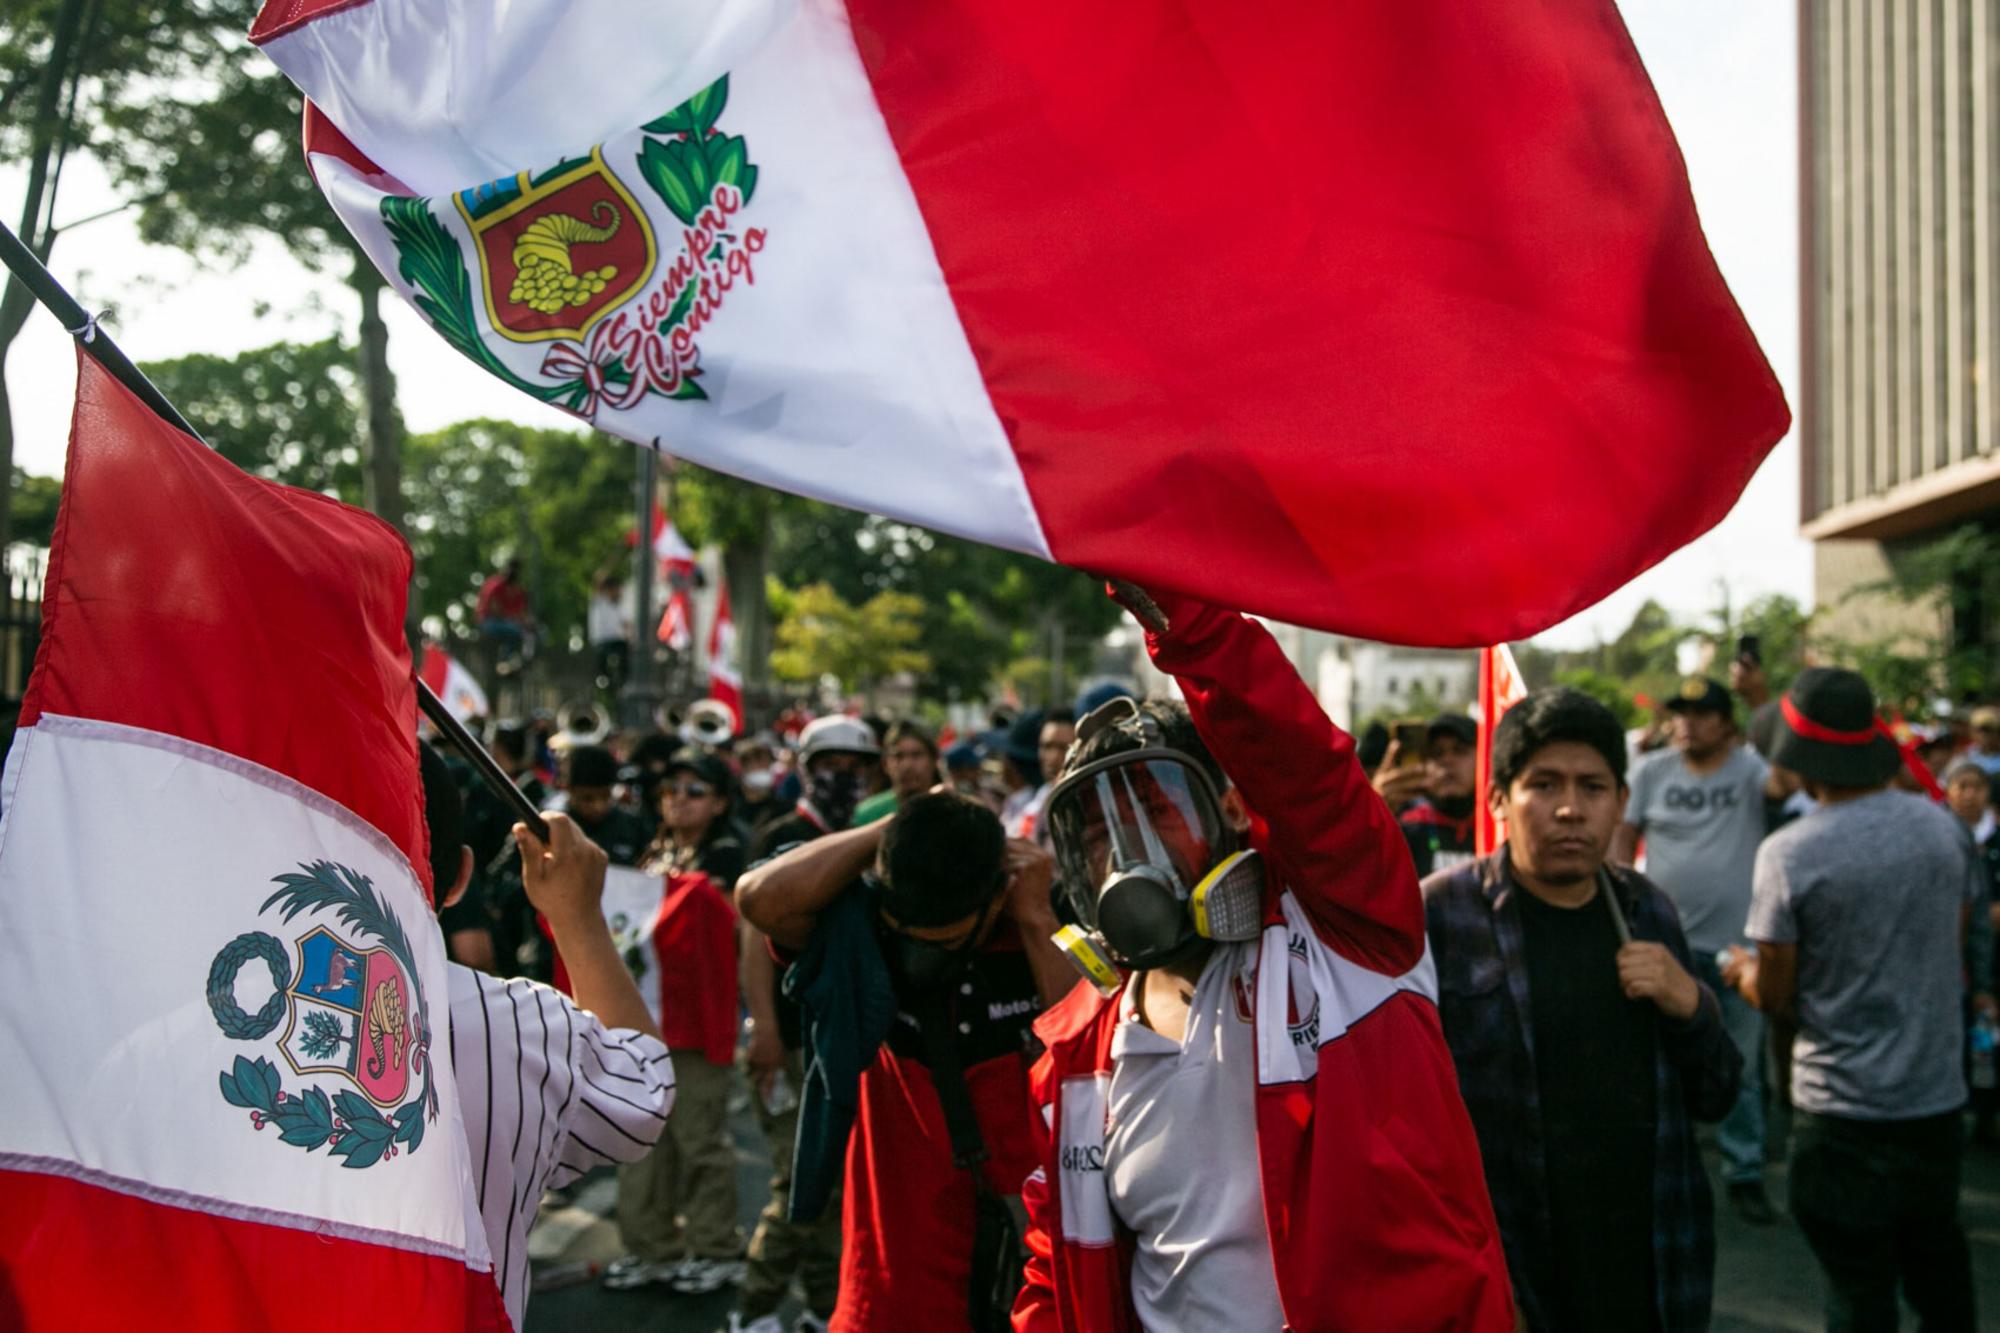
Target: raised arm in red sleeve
(1334,842)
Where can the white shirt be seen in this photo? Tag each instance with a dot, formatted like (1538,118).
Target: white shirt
(548,1092)
(606,622)
(1180,1157)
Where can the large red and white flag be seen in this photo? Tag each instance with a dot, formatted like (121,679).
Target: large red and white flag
(228,1100)
(725,682)
(1500,688)
(1206,295)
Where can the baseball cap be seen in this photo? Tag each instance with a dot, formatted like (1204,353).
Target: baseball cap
(1701,694)
(1455,725)
(707,767)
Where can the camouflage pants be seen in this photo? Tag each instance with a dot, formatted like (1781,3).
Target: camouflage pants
(781,1248)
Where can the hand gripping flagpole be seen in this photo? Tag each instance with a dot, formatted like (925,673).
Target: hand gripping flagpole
(82,326)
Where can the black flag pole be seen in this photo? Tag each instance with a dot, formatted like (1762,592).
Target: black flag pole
(81,325)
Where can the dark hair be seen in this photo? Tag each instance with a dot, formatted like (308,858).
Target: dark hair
(1548,717)
(907,730)
(511,737)
(590,766)
(1177,732)
(444,816)
(941,859)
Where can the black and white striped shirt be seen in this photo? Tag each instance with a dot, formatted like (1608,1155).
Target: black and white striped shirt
(548,1093)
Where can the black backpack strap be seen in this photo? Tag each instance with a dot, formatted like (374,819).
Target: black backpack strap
(968,1145)
(999,1222)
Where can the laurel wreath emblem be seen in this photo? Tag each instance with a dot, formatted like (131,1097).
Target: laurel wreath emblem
(346,1124)
(683,165)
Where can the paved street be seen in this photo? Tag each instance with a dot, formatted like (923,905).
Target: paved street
(1766,1280)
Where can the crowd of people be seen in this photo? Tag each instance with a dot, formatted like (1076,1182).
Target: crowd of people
(1197,1012)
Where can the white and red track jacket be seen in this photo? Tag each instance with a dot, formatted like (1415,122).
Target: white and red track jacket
(1373,1192)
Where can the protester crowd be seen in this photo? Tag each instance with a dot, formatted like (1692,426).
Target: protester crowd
(1196,1012)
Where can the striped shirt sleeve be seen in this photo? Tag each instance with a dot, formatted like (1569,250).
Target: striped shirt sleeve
(623,1089)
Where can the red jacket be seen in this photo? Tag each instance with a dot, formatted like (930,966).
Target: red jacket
(1373,1192)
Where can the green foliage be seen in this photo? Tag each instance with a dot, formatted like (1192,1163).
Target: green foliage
(289,412)
(821,634)
(1607,690)
(477,491)
(207,143)
(1782,628)
(1958,577)
(982,608)
(35,501)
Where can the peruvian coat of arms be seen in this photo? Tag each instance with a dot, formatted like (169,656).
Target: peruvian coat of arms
(348,1005)
(570,258)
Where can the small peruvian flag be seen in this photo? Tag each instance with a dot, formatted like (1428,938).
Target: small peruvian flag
(725,682)
(1500,688)
(457,687)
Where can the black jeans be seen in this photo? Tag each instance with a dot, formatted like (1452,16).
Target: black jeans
(1878,1202)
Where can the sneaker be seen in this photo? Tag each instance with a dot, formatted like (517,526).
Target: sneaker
(763,1323)
(632,1272)
(809,1323)
(1748,1199)
(698,1277)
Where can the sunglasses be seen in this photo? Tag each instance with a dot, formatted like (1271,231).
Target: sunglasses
(696,790)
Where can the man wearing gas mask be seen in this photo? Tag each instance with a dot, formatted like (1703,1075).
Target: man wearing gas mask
(924,952)
(1252,1122)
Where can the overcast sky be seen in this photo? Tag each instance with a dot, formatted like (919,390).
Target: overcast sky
(1726,70)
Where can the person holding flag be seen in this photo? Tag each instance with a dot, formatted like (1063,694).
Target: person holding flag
(1585,1046)
(291,832)
(1259,1126)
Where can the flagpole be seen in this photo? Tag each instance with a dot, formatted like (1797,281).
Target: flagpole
(25,265)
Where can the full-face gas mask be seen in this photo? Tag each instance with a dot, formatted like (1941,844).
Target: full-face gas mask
(1148,863)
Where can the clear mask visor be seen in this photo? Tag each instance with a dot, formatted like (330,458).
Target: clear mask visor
(1132,812)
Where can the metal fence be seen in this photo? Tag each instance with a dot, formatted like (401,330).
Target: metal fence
(20,627)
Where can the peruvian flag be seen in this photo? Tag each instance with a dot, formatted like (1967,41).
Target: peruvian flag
(228,1095)
(1500,688)
(1206,295)
(725,682)
(455,686)
(676,559)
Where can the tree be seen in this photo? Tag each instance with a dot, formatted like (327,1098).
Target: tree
(289,412)
(213,158)
(35,501)
(1606,690)
(58,57)
(481,490)
(821,634)
(1955,577)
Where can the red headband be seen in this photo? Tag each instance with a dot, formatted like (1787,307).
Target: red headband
(1813,731)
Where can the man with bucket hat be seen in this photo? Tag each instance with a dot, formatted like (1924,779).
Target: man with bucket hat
(1857,912)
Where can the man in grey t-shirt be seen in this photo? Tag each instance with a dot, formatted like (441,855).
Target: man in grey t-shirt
(1857,914)
(1700,809)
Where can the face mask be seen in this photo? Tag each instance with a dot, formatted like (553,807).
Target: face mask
(1453,807)
(835,795)
(925,965)
(757,783)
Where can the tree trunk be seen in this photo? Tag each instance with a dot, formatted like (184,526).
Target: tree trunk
(382,473)
(16,303)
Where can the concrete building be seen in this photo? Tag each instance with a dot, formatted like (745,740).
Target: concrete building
(1899,398)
